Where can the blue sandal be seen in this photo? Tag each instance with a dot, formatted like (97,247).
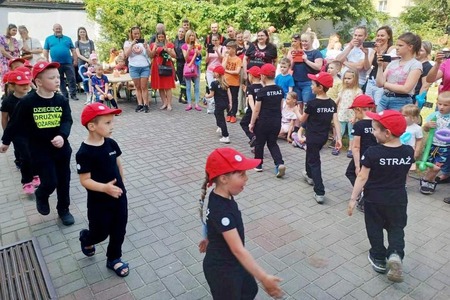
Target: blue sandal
(86,251)
(118,270)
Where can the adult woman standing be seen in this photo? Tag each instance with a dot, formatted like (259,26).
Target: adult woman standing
(305,60)
(383,45)
(137,51)
(160,52)
(9,48)
(29,46)
(214,56)
(191,51)
(83,47)
(260,52)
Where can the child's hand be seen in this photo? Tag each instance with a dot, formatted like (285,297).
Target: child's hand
(3,148)
(302,139)
(203,245)
(351,207)
(57,141)
(112,190)
(289,140)
(271,286)
(357,170)
(338,144)
(431,124)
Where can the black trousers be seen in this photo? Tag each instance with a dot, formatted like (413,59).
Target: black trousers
(179,73)
(219,113)
(234,100)
(229,283)
(24,157)
(107,218)
(245,121)
(313,166)
(266,131)
(350,173)
(390,217)
(53,169)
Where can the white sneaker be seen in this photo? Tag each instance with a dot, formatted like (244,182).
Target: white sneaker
(225,140)
(307,178)
(319,198)
(219,130)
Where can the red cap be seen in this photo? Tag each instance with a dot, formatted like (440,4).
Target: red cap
(254,71)
(390,119)
(5,77)
(225,160)
(41,66)
(323,78)
(27,64)
(96,109)
(18,77)
(11,61)
(25,70)
(362,101)
(219,70)
(268,70)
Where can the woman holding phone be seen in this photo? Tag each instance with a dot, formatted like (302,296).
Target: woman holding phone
(138,52)
(192,51)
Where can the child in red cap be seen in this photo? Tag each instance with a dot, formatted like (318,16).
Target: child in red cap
(229,268)
(101,173)
(19,85)
(222,100)
(383,176)
(254,78)
(266,119)
(362,138)
(44,118)
(317,116)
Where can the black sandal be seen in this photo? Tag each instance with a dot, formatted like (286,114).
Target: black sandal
(447,200)
(118,270)
(86,251)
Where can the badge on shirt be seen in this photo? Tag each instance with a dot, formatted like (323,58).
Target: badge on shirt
(225,221)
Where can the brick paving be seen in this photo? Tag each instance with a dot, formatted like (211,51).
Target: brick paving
(318,250)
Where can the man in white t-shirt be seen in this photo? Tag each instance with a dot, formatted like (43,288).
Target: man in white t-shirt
(355,56)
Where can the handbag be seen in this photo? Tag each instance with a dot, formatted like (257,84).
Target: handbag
(165,71)
(190,71)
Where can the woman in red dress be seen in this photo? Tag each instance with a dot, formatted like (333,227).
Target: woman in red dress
(161,53)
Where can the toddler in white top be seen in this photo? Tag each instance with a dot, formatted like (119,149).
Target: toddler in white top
(413,133)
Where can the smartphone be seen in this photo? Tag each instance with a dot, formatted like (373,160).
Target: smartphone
(287,45)
(140,41)
(368,44)
(446,54)
(386,58)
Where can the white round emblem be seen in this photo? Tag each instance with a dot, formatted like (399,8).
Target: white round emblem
(101,107)
(237,157)
(225,221)
(19,77)
(78,167)
(41,65)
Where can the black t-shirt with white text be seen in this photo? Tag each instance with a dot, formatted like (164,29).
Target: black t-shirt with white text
(222,215)
(101,162)
(389,167)
(253,89)
(364,129)
(220,95)
(270,97)
(320,114)
(258,57)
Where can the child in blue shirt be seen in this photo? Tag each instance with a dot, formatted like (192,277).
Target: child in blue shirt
(100,84)
(285,80)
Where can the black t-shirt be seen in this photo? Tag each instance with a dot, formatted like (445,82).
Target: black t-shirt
(9,104)
(320,114)
(363,129)
(426,67)
(40,119)
(223,215)
(389,167)
(208,39)
(270,97)
(258,57)
(178,51)
(253,89)
(101,162)
(220,95)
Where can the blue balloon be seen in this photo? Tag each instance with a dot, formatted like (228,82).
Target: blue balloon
(405,137)
(421,99)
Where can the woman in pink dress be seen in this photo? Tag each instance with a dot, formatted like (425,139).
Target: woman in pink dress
(9,49)
(161,52)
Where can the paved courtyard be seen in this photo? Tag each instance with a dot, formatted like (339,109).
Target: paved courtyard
(318,251)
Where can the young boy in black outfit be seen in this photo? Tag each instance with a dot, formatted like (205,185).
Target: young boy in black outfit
(101,174)
(44,118)
(383,176)
(266,119)
(318,115)
(252,89)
